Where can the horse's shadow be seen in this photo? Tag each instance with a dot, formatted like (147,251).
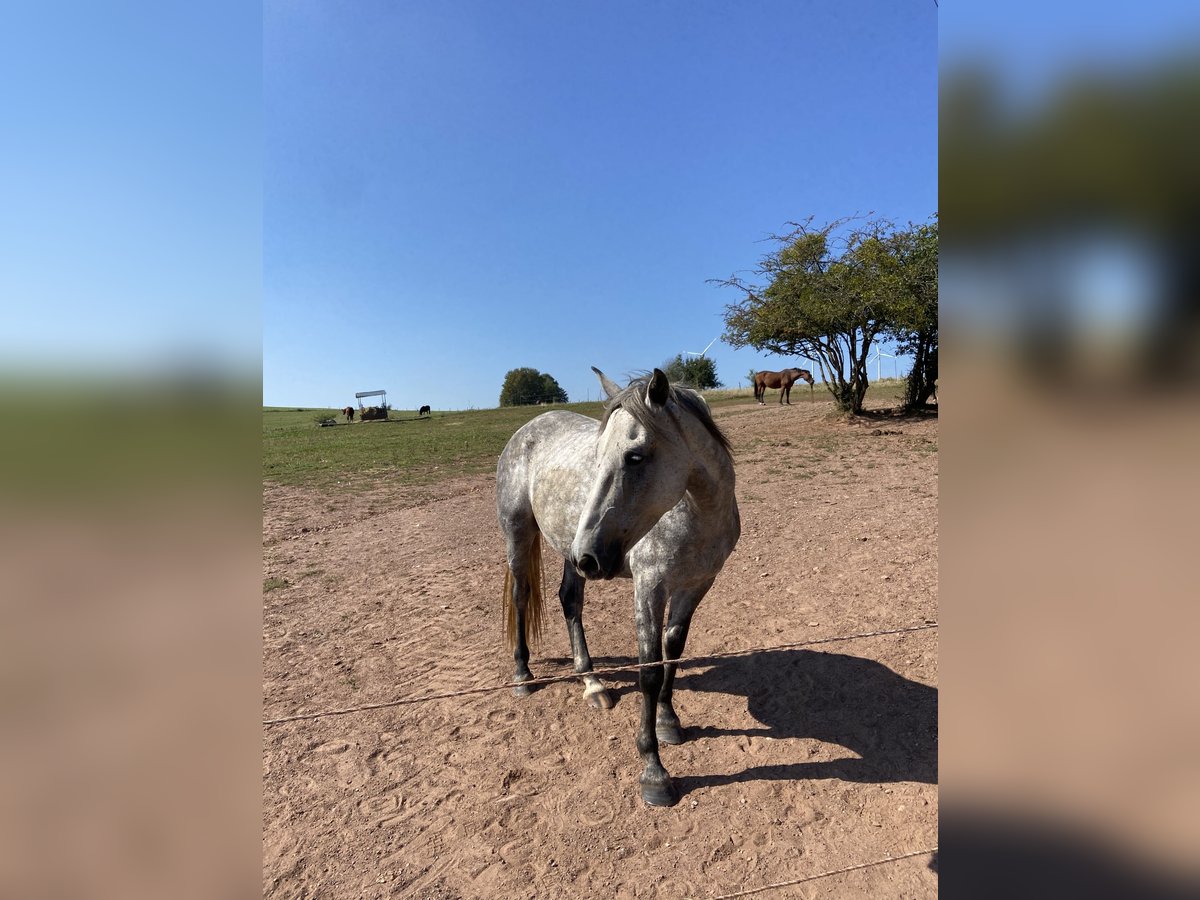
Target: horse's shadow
(886,720)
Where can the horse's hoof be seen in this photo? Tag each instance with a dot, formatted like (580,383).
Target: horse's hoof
(668,732)
(522,690)
(599,697)
(659,794)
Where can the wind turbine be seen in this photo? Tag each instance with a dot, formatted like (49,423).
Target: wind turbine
(702,352)
(879,354)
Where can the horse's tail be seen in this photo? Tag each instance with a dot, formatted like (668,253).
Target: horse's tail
(532,601)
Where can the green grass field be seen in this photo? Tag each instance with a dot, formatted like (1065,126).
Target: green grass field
(406,449)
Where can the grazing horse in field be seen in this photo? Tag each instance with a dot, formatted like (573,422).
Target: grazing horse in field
(424,411)
(348,412)
(646,493)
(783,381)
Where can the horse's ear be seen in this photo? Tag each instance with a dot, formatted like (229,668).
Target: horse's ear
(657,390)
(610,389)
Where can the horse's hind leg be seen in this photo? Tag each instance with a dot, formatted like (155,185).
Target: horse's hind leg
(683,605)
(524,588)
(521,649)
(571,595)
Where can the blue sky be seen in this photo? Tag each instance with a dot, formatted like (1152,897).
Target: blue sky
(455,189)
(131,177)
(1031,45)
(372,194)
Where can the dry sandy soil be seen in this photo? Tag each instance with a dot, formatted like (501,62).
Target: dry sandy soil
(796,761)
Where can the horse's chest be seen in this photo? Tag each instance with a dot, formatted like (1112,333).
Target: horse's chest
(685,544)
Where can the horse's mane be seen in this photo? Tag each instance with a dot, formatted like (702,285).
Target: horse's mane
(633,400)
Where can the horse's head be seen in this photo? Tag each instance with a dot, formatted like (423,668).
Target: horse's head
(642,468)
(804,375)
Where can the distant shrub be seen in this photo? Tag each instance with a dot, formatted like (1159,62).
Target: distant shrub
(526,387)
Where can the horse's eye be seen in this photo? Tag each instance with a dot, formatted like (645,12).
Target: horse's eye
(632,459)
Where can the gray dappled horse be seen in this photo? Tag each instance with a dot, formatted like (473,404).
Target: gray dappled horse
(783,381)
(645,493)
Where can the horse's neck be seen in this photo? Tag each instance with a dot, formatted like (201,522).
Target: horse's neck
(711,482)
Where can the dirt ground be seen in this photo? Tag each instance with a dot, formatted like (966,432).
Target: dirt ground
(796,761)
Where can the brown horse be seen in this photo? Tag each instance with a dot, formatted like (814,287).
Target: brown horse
(348,412)
(424,411)
(782,381)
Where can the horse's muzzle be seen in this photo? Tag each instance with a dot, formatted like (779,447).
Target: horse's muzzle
(594,568)
(588,566)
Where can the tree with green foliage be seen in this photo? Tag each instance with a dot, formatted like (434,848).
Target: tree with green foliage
(828,294)
(527,387)
(551,392)
(699,372)
(1100,163)
(914,325)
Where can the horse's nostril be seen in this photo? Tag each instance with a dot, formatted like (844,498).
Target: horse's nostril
(588,565)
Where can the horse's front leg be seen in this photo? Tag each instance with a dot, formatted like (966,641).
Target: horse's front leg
(650,601)
(683,605)
(570,592)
